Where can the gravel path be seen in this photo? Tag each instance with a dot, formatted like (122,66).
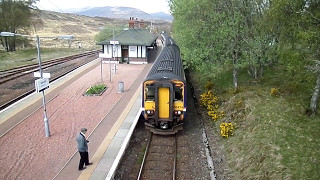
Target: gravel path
(26,153)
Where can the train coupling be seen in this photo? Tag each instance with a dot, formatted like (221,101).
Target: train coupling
(168,131)
(164,125)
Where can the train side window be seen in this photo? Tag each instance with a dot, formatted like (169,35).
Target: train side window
(177,93)
(150,91)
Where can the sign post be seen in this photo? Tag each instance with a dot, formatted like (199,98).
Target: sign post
(42,84)
(114,52)
(113,42)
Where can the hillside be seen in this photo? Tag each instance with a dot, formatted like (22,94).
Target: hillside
(54,24)
(123,13)
(51,26)
(83,28)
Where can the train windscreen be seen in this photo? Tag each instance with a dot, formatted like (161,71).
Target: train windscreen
(150,93)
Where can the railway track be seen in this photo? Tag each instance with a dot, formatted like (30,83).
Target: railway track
(24,78)
(160,158)
(11,74)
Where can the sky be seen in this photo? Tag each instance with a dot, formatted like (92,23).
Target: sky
(148,6)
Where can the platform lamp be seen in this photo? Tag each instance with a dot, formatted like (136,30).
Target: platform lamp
(45,119)
(68,37)
(46,122)
(114,43)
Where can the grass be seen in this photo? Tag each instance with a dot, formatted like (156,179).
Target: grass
(141,155)
(274,138)
(10,60)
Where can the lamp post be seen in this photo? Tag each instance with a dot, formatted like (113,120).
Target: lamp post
(46,121)
(114,52)
(113,42)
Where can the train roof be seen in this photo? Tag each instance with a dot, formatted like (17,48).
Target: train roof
(168,65)
(168,40)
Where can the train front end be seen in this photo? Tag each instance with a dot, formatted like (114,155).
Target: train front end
(164,105)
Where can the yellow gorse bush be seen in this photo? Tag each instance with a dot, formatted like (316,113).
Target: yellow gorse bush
(274,91)
(210,101)
(226,129)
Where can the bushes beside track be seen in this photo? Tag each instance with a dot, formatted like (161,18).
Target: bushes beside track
(274,137)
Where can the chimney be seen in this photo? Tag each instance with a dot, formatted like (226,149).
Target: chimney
(136,23)
(131,23)
(142,24)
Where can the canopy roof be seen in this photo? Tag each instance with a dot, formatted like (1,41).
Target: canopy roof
(134,37)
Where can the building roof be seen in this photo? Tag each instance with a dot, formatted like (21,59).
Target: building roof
(134,37)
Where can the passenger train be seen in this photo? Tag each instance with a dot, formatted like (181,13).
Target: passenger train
(164,99)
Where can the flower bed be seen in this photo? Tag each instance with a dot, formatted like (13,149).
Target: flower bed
(96,90)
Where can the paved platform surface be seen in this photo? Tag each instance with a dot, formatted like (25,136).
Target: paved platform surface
(108,139)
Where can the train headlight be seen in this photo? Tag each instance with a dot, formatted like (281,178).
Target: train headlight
(177,112)
(150,112)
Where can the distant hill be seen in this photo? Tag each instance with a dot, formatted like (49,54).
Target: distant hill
(121,13)
(83,28)
(162,16)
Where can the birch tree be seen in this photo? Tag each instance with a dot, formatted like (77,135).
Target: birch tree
(298,24)
(215,36)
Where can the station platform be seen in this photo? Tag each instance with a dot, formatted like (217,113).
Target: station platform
(30,155)
(112,147)
(116,142)
(108,140)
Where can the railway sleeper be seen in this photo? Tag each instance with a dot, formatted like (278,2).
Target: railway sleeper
(155,174)
(159,165)
(160,157)
(163,149)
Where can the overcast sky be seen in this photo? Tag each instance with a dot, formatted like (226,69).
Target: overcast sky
(148,6)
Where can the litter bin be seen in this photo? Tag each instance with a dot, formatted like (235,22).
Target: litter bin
(120,87)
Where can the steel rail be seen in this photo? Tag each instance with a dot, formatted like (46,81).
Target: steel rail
(7,104)
(148,157)
(144,157)
(13,73)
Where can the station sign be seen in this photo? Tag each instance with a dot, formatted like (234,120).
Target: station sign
(6,34)
(44,75)
(114,42)
(41,84)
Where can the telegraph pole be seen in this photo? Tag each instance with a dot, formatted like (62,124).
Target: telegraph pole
(46,121)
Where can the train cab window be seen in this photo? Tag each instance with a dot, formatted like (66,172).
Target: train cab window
(150,91)
(177,93)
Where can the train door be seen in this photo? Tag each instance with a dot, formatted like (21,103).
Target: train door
(164,102)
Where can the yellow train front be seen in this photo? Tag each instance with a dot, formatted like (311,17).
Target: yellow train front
(164,93)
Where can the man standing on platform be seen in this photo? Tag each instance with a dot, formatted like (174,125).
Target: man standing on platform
(83,149)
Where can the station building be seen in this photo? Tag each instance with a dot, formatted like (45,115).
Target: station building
(131,46)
